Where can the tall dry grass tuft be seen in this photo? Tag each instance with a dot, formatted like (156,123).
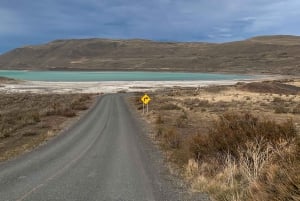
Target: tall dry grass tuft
(232,132)
(253,158)
(280,179)
(172,139)
(223,184)
(241,157)
(246,158)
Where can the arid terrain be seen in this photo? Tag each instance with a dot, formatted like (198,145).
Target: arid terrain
(234,142)
(238,142)
(28,120)
(259,55)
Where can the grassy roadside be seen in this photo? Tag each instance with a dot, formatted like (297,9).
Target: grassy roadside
(234,142)
(28,120)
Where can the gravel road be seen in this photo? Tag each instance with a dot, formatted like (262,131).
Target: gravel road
(104,156)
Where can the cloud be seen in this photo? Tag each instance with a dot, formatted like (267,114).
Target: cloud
(171,20)
(277,17)
(10,23)
(250,18)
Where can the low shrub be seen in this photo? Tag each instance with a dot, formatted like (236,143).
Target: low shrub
(182,121)
(67,112)
(215,89)
(78,105)
(159,120)
(296,110)
(29,133)
(248,158)
(169,106)
(159,132)
(280,177)
(235,130)
(172,139)
(84,97)
(35,115)
(278,100)
(281,109)
(198,145)
(196,102)
(26,117)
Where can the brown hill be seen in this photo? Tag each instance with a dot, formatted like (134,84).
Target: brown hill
(264,54)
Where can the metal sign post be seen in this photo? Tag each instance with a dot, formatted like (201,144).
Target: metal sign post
(145,99)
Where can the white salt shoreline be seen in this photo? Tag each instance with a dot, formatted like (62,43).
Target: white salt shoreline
(112,86)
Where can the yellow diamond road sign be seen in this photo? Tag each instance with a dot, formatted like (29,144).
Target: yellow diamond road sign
(145,99)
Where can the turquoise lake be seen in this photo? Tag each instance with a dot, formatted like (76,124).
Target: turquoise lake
(85,76)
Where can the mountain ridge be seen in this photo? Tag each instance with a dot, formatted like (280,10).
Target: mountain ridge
(259,55)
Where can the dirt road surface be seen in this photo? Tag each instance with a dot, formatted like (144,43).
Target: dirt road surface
(104,156)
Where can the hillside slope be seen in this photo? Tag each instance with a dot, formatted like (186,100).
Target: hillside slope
(265,54)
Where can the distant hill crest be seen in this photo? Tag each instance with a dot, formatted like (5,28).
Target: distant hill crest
(261,54)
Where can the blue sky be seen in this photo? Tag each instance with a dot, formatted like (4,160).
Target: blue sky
(28,22)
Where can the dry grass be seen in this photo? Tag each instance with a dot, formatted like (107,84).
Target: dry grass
(232,131)
(26,119)
(248,159)
(224,149)
(170,106)
(172,139)
(274,87)
(267,55)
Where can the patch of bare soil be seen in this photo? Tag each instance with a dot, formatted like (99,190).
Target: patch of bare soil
(28,120)
(232,142)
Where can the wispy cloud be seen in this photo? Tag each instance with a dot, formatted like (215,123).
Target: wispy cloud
(10,23)
(172,20)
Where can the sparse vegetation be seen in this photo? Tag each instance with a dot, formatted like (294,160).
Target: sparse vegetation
(244,158)
(266,55)
(196,102)
(238,145)
(33,116)
(170,106)
(272,87)
(172,139)
(215,89)
(280,109)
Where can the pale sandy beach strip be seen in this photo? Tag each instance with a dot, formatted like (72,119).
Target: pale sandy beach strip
(111,86)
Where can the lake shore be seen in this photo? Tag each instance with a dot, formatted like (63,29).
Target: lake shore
(181,114)
(117,86)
